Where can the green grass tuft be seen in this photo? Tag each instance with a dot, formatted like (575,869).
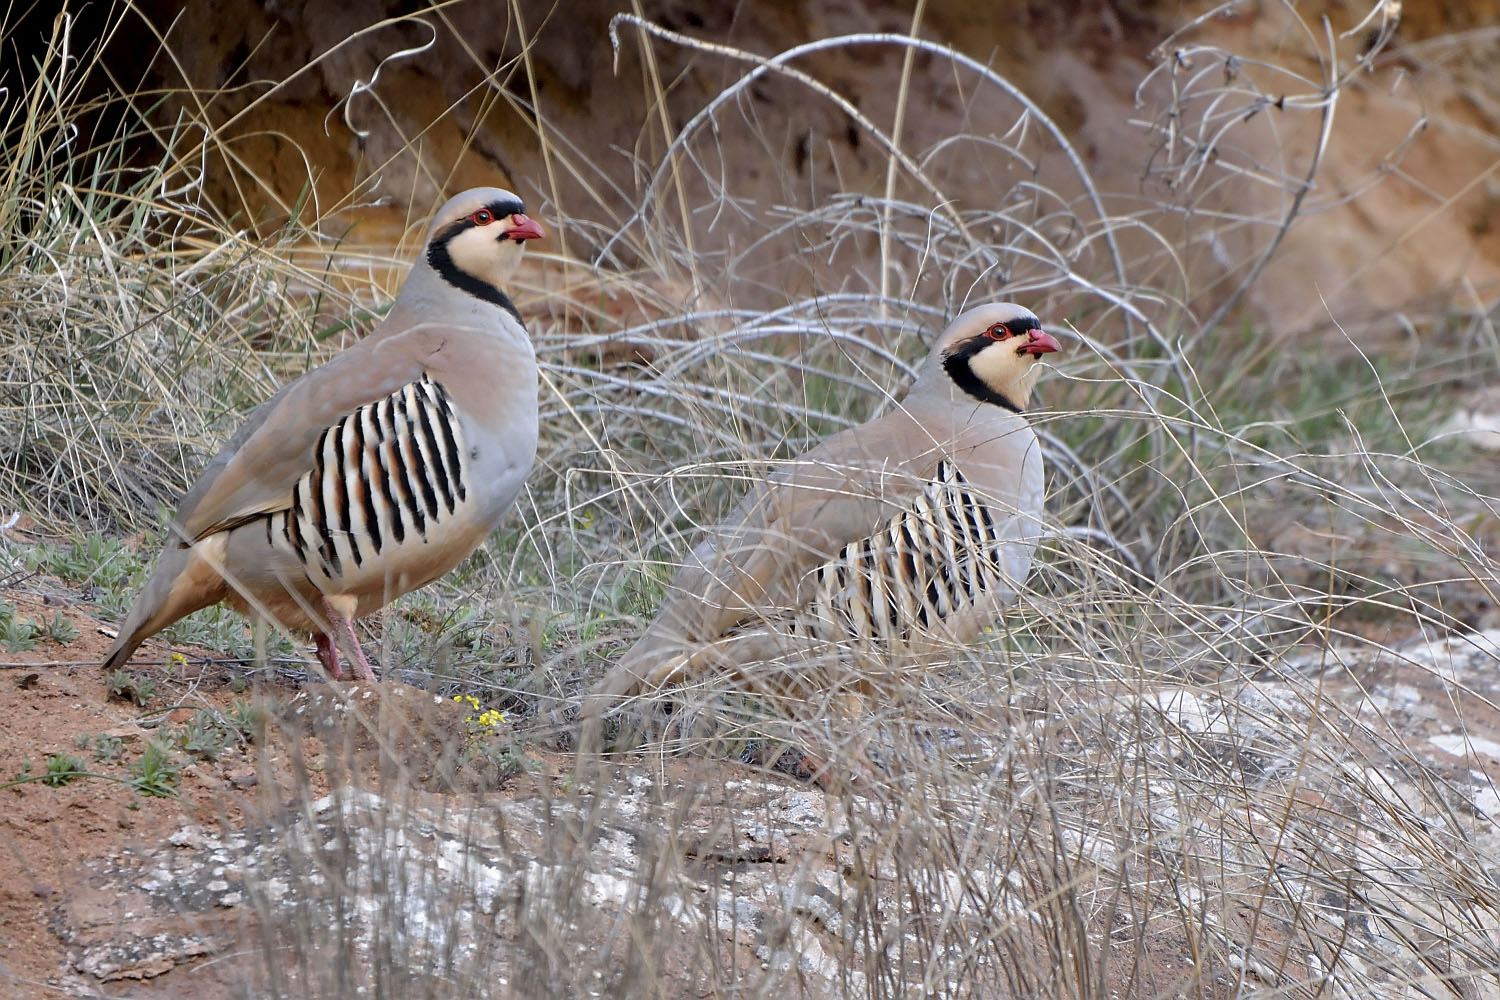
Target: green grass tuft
(63,768)
(135,688)
(16,635)
(157,771)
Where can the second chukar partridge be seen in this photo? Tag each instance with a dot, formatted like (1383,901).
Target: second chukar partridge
(899,537)
(377,472)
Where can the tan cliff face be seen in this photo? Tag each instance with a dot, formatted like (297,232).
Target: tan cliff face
(380,108)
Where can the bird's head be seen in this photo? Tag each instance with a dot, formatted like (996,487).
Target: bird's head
(991,353)
(478,237)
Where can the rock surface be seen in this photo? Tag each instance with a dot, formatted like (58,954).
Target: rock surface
(1329,818)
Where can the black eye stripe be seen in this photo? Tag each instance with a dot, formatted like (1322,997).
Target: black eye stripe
(499,209)
(503,209)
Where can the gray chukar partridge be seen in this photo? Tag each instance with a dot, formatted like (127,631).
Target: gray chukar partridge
(377,472)
(899,537)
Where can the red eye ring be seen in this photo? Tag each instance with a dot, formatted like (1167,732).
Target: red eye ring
(483,217)
(998,332)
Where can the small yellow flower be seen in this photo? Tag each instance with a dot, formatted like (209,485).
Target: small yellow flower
(482,722)
(178,660)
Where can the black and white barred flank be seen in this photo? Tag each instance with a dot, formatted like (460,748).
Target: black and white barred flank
(384,473)
(940,556)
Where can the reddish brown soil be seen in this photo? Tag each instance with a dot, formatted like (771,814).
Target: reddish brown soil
(50,698)
(77,860)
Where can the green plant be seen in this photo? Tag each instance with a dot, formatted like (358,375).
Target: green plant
(480,721)
(489,743)
(59,629)
(131,687)
(104,747)
(248,718)
(15,634)
(95,559)
(221,628)
(446,640)
(157,772)
(63,768)
(204,735)
(499,755)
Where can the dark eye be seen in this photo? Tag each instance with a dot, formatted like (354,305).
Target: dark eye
(483,217)
(998,332)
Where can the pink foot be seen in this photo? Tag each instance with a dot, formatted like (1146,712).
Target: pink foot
(340,627)
(362,669)
(328,655)
(858,778)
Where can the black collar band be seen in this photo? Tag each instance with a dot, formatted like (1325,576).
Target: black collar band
(956,364)
(442,262)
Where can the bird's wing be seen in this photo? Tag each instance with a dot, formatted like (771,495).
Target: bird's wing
(753,565)
(760,562)
(255,472)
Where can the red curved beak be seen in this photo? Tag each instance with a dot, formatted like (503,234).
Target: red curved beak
(1042,342)
(523,227)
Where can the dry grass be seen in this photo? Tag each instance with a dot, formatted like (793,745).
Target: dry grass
(1172,770)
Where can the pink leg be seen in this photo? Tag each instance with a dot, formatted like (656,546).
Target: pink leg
(860,777)
(342,627)
(328,655)
(819,771)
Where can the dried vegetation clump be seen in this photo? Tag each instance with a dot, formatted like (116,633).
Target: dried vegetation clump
(1231,743)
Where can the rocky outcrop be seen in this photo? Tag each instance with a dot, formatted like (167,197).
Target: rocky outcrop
(1328,821)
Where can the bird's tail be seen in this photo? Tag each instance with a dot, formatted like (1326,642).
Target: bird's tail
(653,665)
(635,674)
(182,582)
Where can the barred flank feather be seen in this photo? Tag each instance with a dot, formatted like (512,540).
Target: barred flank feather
(383,474)
(936,558)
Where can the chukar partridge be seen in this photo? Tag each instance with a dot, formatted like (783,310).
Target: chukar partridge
(901,536)
(374,474)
